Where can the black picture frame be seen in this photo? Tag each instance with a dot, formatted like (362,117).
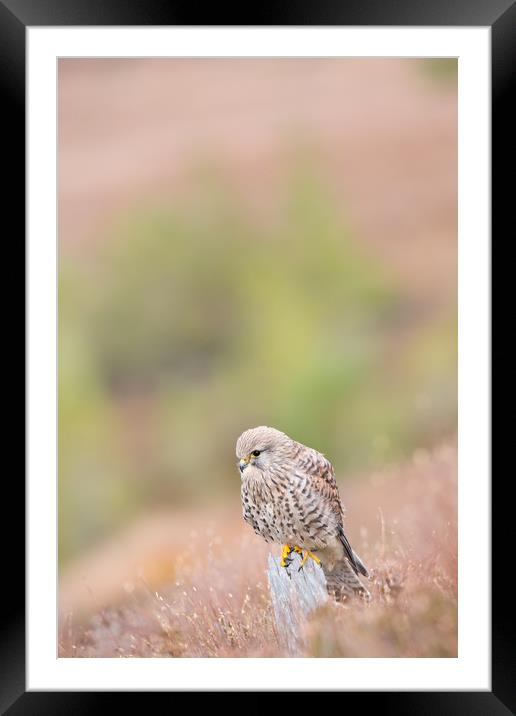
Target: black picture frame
(15,17)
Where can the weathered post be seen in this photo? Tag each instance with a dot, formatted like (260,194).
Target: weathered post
(295,593)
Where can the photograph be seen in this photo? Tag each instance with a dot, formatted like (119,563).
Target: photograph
(257,378)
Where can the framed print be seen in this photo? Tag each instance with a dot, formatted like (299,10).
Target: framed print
(258,353)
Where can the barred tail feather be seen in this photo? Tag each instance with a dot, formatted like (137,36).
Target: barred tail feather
(343,583)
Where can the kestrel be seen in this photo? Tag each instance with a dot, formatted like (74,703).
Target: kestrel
(289,496)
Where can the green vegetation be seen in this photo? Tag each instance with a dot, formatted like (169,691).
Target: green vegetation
(441,70)
(195,322)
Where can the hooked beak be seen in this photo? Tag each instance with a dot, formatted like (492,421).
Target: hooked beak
(243,463)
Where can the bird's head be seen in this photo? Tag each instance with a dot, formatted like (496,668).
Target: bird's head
(262,448)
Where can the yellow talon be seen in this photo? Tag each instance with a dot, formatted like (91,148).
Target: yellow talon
(285,553)
(307,554)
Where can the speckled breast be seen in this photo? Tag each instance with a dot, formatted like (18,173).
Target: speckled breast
(287,513)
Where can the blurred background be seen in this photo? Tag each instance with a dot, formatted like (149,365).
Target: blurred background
(244,242)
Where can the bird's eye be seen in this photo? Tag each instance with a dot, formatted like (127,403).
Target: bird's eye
(256,453)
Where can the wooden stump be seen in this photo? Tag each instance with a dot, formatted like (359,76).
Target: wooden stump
(295,593)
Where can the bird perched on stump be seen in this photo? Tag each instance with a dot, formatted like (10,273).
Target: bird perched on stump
(290,496)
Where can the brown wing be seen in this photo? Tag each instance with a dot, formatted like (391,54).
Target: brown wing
(322,477)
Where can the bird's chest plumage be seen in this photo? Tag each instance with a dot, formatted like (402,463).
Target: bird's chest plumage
(282,508)
(262,506)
